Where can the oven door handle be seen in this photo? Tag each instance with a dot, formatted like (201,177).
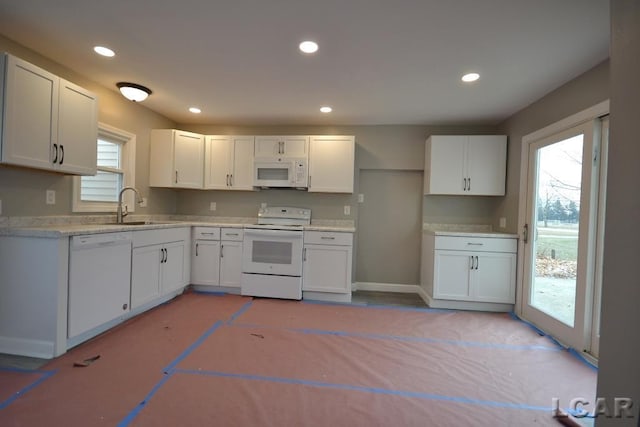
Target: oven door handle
(279,234)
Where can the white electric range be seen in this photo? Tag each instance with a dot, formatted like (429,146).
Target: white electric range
(272,253)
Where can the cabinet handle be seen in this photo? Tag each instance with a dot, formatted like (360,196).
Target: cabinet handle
(231,180)
(55,153)
(525,233)
(475,244)
(176,177)
(197,244)
(207,233)
(477,262)
(227,180)
(304,254)
(464,184)
(469,186)
(309,181)
(328,238)
(166,255)
(231,234)
(161,255)
(124,306)
(61,153)
(221,251)
(471,262)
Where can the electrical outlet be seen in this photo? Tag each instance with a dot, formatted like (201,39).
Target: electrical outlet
(347,210)
(51,197)
(143,203)
(212,206)
(503,222)
(360,198)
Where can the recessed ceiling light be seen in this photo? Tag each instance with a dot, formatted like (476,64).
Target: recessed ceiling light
(326,109)
(308,46)
(195,110)
(471,77)
(104,51)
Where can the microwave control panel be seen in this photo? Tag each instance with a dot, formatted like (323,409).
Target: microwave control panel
(301,172)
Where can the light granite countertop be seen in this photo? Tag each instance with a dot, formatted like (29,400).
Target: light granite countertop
(465,230)
(55,227)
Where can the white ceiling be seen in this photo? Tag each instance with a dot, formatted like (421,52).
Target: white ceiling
(380,61)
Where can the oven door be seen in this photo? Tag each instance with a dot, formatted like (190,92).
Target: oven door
(277,252)
(273,173)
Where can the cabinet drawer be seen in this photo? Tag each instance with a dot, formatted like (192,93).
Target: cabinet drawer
(234,234)
(160,236)
(206,233)
(328,238)
(476,244)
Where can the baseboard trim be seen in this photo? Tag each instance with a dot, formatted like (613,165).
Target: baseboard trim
(27,347)
(387,287)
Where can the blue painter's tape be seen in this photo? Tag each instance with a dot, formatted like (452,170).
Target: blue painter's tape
(134,413)
(193,346)
(241,311)
(44,376)
(581,358)
(376,390)
(382,306)
(211,293)
(538,330)
(407,338)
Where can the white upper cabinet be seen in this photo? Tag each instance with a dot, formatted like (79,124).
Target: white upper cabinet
(47,122)
(282,146)
(331,164)
(77,129)
(228,162)
(177,159)
(465,165)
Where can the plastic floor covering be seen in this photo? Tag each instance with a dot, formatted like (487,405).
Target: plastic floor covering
(224,360)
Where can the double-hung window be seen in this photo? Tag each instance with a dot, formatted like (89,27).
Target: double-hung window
(115,170)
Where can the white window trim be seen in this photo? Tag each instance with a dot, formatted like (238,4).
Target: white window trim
(129,172)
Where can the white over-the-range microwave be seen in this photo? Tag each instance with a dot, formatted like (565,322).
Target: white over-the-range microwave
(281,172)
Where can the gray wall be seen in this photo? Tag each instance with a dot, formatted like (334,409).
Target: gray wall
(619,374)
(578,94)
(22,191)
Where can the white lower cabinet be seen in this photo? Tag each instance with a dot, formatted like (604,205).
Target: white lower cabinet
(327,258)
(159,264)
(469,272)
(217,257)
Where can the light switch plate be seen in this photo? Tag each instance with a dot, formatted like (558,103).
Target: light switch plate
(212,206)
(360,198)
(51,197)
(503,222)
(143,203)
(347,210)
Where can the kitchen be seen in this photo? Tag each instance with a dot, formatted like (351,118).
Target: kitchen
(387,156)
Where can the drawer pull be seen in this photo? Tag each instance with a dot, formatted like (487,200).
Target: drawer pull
(231,234)
(475,244)
(207,233)
(328,238)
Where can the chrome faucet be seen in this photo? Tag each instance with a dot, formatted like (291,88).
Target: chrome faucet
(119,213)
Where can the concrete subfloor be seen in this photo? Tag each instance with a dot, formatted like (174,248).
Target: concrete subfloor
(387,298)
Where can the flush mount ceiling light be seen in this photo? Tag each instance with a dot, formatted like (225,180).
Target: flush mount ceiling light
(104,51)
(326,109)
(133,92)
(308,46)
(195,110)
(470,77)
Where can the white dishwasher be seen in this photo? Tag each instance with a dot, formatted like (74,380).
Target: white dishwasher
(99,280)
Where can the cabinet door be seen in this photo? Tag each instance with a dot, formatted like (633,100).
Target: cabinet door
(486,165)
(30,115)
(218,154)
(451,275)
(242,171)
(188,159)
(281,146)
(95,298)
(494,279)
(331,164)
(77,129)
(205,263)
(173,268)
(145,274)
(230,264)
(327,268)
(445,164)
